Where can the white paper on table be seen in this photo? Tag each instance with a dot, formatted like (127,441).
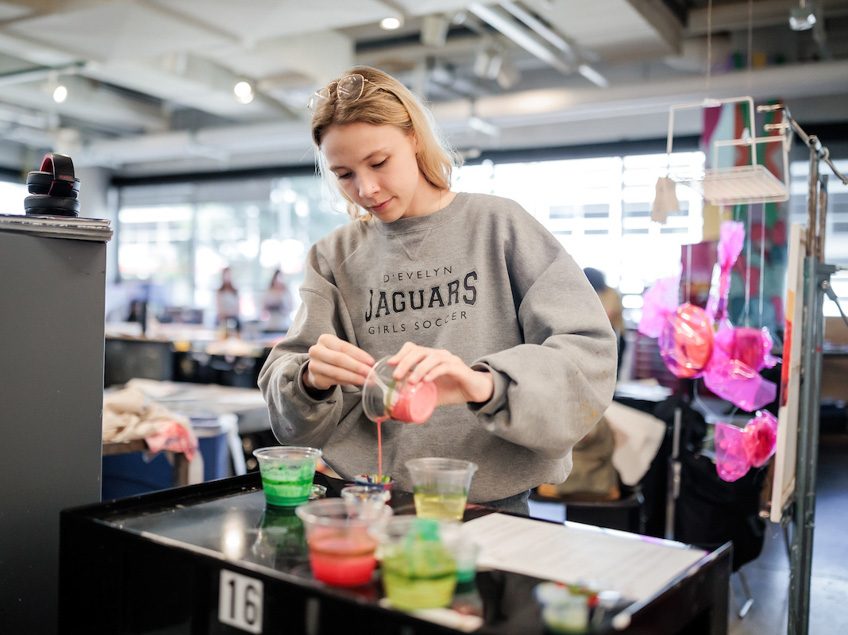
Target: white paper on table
(638,567)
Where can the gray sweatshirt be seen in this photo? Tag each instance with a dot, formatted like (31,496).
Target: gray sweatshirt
(484,280)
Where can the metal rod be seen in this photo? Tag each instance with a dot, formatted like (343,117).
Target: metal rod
(673,488)
(801,551)
(812,201)
(822,216)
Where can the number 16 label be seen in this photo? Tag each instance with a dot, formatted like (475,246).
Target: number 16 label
(240,601)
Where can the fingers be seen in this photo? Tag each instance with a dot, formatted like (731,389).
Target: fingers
(436,364)
(334,361)
(333,343)
(416,363)
(323,375)
(407,358)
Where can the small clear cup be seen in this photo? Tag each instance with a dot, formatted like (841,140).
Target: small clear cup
(369,499)
(440,486)
(287,473)
(383,397)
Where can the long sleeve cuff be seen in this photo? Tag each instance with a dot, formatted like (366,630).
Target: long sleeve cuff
(498,399)
(311,394)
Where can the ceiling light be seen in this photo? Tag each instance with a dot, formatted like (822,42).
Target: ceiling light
(483,126)
(592,75)
(60,93)
(391,23)
(802,17)
(243,91)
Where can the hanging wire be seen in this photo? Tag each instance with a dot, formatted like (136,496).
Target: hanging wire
(749,239)
(750,45)
(688,297)
(709,43)
(762,263)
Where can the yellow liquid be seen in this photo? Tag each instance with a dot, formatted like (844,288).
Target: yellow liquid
(440,506)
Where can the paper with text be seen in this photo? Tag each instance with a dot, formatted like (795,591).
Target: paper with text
(638,567)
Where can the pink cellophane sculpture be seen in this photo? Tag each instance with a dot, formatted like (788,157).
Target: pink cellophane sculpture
(733,371)
(658,303)
(731,459)
(760,438)
(686,341)
(730,242)
(739,449)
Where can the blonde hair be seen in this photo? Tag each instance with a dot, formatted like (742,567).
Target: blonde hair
(384,101)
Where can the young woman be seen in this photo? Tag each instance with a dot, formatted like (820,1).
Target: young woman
(227,301)
(276,304)
(465,290)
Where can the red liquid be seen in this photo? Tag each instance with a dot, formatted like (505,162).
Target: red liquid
(379,423)
(342,559)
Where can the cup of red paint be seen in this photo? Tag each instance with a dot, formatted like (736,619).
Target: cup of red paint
(384,397)
(342,540)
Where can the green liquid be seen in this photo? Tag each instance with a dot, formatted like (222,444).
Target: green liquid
(287,487)
(440,506)
(419,578)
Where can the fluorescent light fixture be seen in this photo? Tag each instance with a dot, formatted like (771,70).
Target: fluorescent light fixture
(243,90)
(802,17)
(592,75)
(60,93)
(391,23)
(483,126)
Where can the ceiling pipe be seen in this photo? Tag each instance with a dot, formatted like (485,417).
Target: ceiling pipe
(501,21)
(28,75)
(542,29)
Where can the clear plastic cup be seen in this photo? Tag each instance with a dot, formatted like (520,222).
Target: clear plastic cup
(287,473)
(342,540)
(369,499)
(440,486)
(383,397)
(418,567)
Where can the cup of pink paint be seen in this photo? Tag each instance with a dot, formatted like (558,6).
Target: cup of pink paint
(384,397)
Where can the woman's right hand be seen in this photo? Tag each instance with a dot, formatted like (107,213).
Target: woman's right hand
(333,361)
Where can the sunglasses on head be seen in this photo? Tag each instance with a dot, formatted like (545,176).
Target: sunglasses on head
(347,88)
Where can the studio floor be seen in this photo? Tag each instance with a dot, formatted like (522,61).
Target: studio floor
(768,575)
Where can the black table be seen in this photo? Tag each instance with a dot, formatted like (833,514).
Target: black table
(172,560)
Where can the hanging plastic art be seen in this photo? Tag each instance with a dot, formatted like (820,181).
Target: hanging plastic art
(740,449)
(739,354)
(686,341)
(658,303)
(731,240)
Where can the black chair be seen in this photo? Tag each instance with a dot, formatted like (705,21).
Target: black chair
(625,513)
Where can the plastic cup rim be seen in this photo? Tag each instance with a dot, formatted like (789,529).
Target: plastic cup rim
(305,513)
(286,451)
(442,464)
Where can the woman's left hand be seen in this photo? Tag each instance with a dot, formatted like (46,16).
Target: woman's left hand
(457,382)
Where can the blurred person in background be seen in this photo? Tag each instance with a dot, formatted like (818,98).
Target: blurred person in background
(276,304)
(227,302)
(611,299)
